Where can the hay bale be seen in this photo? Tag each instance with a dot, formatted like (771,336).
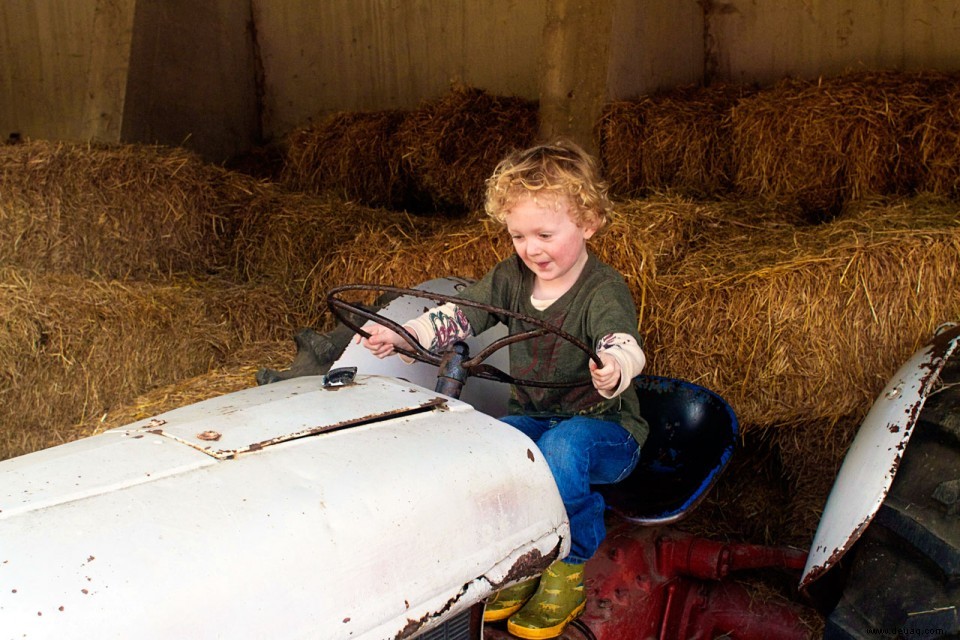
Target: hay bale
(71,348)
(677,140)
(644,237)
(939,140)
(822,143)
(434,158)
(749,502)
(406,255)
(300,242)
(668,227)
(354,155)
(469,247)
(807,323)
(116,211)
(236,373)
(452,144)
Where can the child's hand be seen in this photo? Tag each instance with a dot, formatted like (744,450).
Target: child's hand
(382,341)
(605,378)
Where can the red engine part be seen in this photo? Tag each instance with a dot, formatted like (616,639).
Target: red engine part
(650,583)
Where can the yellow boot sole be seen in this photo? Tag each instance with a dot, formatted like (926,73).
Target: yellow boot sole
(514,599)
(496,615)
(545,632)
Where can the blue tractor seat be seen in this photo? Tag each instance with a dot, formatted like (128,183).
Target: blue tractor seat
(693,433)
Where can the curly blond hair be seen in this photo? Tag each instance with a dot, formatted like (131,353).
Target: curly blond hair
(550,171)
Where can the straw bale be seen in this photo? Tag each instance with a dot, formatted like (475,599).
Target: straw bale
(355,155)
(776,486)
(115,211)
(644,236)
(71,348)
(452,144)
(822,143)
(299,242)
(238,372)
(406,255)
(807,323)
(939,144)
(678,140)
(668,227)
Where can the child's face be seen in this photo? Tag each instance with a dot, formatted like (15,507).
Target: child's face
(548,241)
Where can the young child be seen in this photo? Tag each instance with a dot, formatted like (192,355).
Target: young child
(551,200)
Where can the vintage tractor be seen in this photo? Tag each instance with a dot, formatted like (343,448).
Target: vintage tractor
(346,499)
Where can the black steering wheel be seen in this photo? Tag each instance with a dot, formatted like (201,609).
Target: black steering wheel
(475,365)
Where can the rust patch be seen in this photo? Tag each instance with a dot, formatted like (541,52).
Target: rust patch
(530,564)
(530,455)
(413,626)
(209,435)
(820,569)
(434,404)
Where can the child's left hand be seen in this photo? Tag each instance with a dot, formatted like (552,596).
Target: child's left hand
(605,378)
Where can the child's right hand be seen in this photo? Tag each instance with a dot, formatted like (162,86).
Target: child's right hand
(382,340)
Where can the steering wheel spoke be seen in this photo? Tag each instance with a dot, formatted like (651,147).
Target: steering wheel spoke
(474,365)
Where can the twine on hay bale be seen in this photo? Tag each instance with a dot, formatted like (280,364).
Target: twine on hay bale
(791,325)
(355,155)
(72,347)
(676,140)
(822,143)
(452,144)
(116,211)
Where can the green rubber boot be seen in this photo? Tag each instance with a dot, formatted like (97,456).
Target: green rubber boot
(559,600)
(506,602)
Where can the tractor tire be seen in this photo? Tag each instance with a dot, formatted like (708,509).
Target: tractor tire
(904,578)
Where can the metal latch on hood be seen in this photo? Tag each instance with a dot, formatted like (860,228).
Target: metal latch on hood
(339,377)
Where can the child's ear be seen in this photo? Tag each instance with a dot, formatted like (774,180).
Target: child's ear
(588,228)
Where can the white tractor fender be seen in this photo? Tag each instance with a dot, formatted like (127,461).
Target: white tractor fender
(871,462)
(371,510)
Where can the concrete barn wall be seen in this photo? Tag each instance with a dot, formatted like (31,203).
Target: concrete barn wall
(370,54)
(193,76)
(763,41)
(63,67)
(221,75)
(654,44)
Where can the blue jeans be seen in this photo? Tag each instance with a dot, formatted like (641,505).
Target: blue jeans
(582,452)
